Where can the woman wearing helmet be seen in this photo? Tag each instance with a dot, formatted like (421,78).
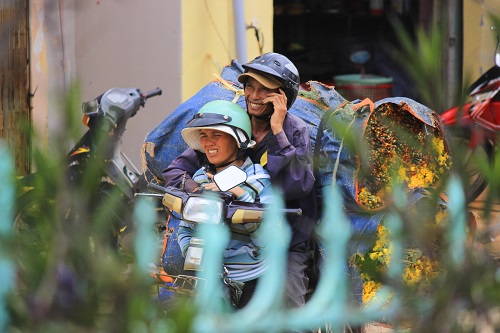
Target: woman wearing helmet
(283,148)
(221,130)
(220,119)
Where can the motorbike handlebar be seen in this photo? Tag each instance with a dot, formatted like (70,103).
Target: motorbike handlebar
(293,211)
(152,93)
(157,188)
(250,212)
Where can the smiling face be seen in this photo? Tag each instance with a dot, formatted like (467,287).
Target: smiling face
(255,93)
(220,147)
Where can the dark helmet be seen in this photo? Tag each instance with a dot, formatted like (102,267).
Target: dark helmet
(280,67)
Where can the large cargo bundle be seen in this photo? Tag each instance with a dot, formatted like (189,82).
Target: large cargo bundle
(364,148)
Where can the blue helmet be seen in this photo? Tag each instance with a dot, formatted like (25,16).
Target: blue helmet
(280,68)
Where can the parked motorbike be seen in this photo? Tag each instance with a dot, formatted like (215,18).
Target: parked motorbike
(219,208)
(476,125)
(100,149)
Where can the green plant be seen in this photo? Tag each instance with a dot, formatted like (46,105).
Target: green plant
(69,273)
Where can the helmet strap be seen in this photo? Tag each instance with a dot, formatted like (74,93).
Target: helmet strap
(265,117)
(242,144)
(225,164)
(242,154)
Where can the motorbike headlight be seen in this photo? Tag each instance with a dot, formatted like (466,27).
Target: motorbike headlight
(203,210)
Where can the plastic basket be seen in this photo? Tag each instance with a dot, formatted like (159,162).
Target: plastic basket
(361,86)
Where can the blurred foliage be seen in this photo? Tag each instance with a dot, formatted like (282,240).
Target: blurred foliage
(70,276)
(421,56)
(464,297)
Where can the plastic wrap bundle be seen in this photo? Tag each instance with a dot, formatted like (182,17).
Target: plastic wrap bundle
(335,160)
(365,149)
(396,137)
(359,149)
(164,143)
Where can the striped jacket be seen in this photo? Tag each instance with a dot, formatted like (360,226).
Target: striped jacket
(243,255)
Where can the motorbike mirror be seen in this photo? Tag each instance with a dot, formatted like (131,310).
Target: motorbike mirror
(230,177)
(360,57)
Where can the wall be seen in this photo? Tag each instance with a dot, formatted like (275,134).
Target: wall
(479,40)
(176,45)
(45,51)
(101,44)
(209,38)
(130,43)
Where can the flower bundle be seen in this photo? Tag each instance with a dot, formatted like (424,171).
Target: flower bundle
(419,268)
(400,148)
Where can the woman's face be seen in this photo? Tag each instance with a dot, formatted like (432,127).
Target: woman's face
(219,146)
(255,93)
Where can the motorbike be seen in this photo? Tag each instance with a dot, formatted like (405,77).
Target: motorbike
(99,148)
(476,125)
(179,276)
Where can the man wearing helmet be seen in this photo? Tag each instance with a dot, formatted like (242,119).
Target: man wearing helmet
(283,148)
(221,130)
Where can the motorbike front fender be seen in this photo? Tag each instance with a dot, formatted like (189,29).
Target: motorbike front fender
(457,116)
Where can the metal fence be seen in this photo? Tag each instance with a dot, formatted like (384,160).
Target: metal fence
(331,306)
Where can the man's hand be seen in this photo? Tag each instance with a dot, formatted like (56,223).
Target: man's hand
(280,110)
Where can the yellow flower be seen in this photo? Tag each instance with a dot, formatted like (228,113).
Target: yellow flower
(429,267)
(370,289)
(402,171)
(418,268)
(411,275)
(395,158)
(443,157)
(369,200)
(423,178)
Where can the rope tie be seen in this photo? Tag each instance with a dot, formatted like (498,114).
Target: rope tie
(237,92)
